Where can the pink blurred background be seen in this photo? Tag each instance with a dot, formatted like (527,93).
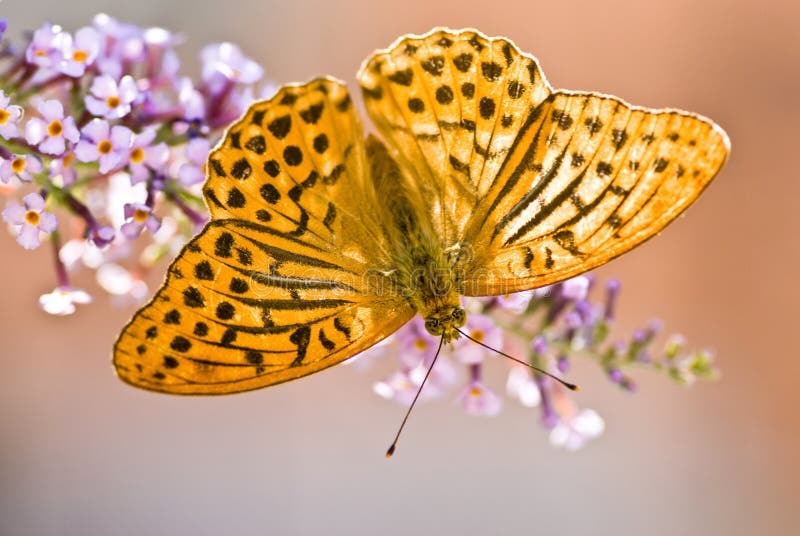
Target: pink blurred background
(82,453)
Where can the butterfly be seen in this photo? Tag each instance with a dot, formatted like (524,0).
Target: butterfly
(484,181)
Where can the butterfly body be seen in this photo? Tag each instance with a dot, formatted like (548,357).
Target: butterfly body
(422,271)
(484,181)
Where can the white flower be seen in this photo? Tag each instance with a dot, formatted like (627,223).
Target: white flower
(573,433)
(62,300)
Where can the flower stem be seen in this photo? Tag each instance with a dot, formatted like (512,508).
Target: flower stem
(62,278)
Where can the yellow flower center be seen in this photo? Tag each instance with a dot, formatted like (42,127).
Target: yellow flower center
(55,128)
(420,344)
(104,147)
(32,217)
(4,115)
(80,56)
(137,155)
(40,53)
(112,101)
(68,159)
(475,391)
(477,335)
(18,165)
(139,215)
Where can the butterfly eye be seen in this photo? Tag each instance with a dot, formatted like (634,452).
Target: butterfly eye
(459,317)
(433,326)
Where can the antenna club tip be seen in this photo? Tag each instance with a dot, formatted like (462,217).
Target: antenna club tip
(390,452)
(573,387)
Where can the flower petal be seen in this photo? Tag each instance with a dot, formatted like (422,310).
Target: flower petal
(35,131)
(96,106)
(121,137)
(34,201)
(47,222)
(86,151)
(54,145)
(28,236)
(96,130)
(103,86)
(14,214)
(51,110)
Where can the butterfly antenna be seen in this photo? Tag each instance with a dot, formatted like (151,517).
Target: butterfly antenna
(390,451)
(570,386)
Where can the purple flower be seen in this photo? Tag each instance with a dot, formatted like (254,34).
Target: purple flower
(483,329)
(108,145)
(31,218)
(126,40)
(516,302)
(62,167)
(573,433)
(401,386)
(101,236)
(121,283)
(521,385)
(3,27)
(191,100)
(539,345)
(576,288)
(9,115)
(139,216)
(145,157)
(417,346)
(81,52)
(109,99)
(20,166)
(47,46)
(62,300)
(226,62)
(162,61)
(613,287)
(193,172)
(51,133)
(477,399)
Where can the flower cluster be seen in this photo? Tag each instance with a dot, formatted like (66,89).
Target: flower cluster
(547,328)
(102,138)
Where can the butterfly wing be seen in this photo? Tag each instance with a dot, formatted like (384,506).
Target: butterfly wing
(451,104)
(286,279)
(535,186)
(589,178)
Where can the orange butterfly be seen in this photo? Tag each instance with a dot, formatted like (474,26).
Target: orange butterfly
(486,181)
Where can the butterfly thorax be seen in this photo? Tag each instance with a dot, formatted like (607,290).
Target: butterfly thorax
(423,272)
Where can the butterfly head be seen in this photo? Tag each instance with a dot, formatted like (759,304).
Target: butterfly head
(445,321)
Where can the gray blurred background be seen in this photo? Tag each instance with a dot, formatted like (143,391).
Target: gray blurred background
(81,453)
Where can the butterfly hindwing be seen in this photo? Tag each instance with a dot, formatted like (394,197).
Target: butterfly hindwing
(284,280)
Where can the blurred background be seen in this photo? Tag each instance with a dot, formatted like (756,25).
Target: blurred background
(82,453)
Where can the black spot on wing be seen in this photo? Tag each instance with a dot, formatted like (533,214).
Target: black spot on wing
(312,114)
(280,126)
(241,169)
(403,77)
(434,65)
(300,338)
(463,62)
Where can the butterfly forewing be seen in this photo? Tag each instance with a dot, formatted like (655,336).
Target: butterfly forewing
(588,178)
(285,280)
